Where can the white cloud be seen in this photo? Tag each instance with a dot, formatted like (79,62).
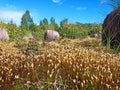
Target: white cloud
(7,15)
(103,1)
(81,8)
(10,12)
(56,1)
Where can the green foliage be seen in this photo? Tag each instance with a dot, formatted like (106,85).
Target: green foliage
(26,20)
(32,88)
(45,24)
(52,21)
(34,27)
(63,22)
(108,43)
(19,86)
(78,30)
(41,25)
(27,33)
(14,32)
(38,34)
(30,47)
(37,31)
(93,28)
(73,31)
(90,87)
(53,24)
(2,24)
(93,42)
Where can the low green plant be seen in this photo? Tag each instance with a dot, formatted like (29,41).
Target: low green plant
(73,33)
(19,86)
(108,42)
(30,47)
(38,34)
(91,43)
(32,87)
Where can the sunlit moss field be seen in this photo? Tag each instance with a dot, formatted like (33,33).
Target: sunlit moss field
(66,64)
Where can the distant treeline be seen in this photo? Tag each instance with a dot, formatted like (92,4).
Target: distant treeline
(66,29)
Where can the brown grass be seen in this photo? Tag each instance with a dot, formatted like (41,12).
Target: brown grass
(67,65)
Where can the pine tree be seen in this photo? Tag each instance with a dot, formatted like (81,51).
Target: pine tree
(63,23)
(53,24)
(41,25)
(26,20)
(45,24)
(52,20)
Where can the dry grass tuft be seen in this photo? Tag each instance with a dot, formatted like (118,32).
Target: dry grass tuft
(67,65)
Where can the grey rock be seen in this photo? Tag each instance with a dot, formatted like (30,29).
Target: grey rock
(4,35)
(51,35)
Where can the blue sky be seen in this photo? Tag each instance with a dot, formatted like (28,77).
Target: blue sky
(83,11)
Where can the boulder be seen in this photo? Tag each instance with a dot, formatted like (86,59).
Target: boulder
(96,35)
(51,35)
(4,35)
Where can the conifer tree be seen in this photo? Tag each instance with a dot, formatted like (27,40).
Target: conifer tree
(45,24)
(26,20)
(53,24)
